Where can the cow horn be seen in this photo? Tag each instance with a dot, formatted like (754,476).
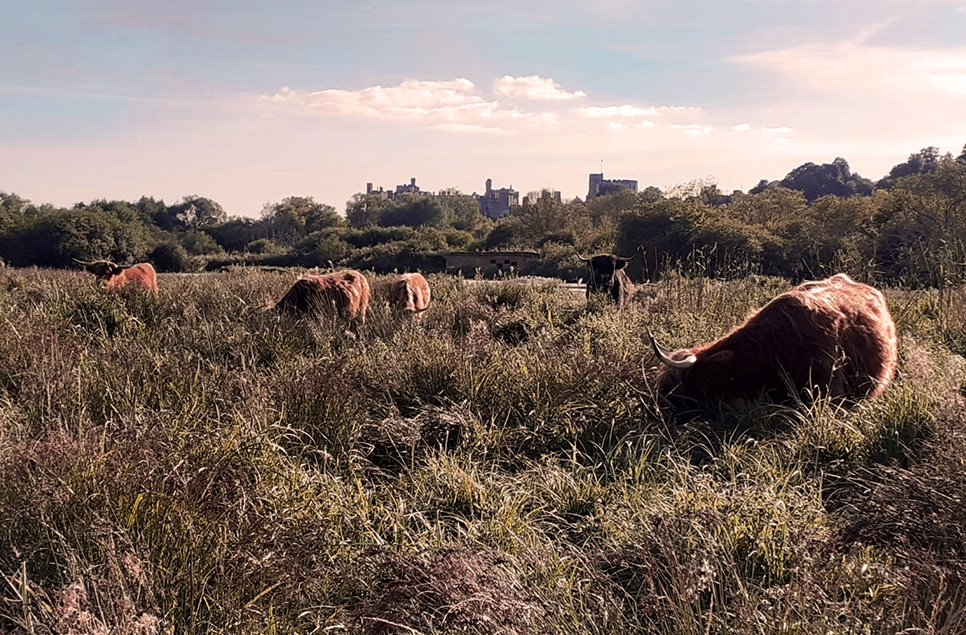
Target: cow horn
(636,254)
(582,259)
(81,262)
(665,356)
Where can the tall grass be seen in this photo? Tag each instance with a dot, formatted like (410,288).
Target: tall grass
(193,463)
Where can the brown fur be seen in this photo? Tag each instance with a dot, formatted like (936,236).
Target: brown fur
(140,275)
(409,293)
(345,293)
(835,335)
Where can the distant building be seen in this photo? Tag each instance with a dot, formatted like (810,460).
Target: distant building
(545,195)
(492,262)
(497,203)
(599,186)
(408,188)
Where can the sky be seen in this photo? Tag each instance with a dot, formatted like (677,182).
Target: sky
(248,102)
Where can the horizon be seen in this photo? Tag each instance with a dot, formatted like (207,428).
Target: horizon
(252,104)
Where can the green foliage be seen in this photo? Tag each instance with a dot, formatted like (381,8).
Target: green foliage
(198,243)
(262,246)
(53,239)
(414,211)
(196,212)
(295,217)
(236,234)
(170,257)
(829,179)
(923,162)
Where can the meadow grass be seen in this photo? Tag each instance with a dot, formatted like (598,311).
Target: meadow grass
(196,463)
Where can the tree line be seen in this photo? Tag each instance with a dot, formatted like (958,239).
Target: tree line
(907,228)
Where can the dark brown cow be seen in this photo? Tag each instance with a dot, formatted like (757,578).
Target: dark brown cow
(607,275)
(344,293)
(831,337)
(409,294)
(141,275)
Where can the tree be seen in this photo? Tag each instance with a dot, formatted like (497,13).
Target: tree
(54,239)
(922,226)
(414,211)
(295,217)
(196,212)
(463,211)
(834,178)
(237,233)
(923,162)
(771,207)
(365,209)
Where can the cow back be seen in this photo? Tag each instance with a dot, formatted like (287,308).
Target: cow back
(410,293)
(345,293)
(140,275)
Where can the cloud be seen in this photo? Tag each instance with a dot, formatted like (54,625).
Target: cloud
(742,127)
(610,112)
(858,68)
(533,87)
(518,105)
(465,128)
(410,99)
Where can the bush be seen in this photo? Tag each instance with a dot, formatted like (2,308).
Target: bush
(170,257)
(262,246)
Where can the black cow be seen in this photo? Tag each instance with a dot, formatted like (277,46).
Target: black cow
(607,275)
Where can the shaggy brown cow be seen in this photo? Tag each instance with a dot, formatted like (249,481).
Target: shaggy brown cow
(409,294)
(607,275)
(344,293)
(141,275)
(835,336)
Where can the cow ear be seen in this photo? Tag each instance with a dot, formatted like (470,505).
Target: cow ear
(620,264)
(116,269)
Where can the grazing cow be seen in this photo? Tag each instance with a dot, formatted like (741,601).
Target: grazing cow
(409,294)
(344,293)
(835,336)
(607,275)
(141,275)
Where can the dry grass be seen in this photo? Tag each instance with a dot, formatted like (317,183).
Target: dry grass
(192,463)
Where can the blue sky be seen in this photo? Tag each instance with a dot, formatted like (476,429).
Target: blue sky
(248,102)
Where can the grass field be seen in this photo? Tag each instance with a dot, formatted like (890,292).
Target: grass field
(192,463)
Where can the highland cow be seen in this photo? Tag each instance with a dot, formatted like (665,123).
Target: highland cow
(607,275)
(139,276)
(409,294)
(831,337)
(344,293)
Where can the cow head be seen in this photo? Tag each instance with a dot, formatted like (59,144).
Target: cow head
(102,269)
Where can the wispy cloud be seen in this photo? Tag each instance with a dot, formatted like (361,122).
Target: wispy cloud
(857,67)
(410,99)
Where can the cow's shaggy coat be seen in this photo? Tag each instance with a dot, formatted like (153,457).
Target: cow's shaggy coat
(344,293)
(117,277)
(831,337)
(409,294)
